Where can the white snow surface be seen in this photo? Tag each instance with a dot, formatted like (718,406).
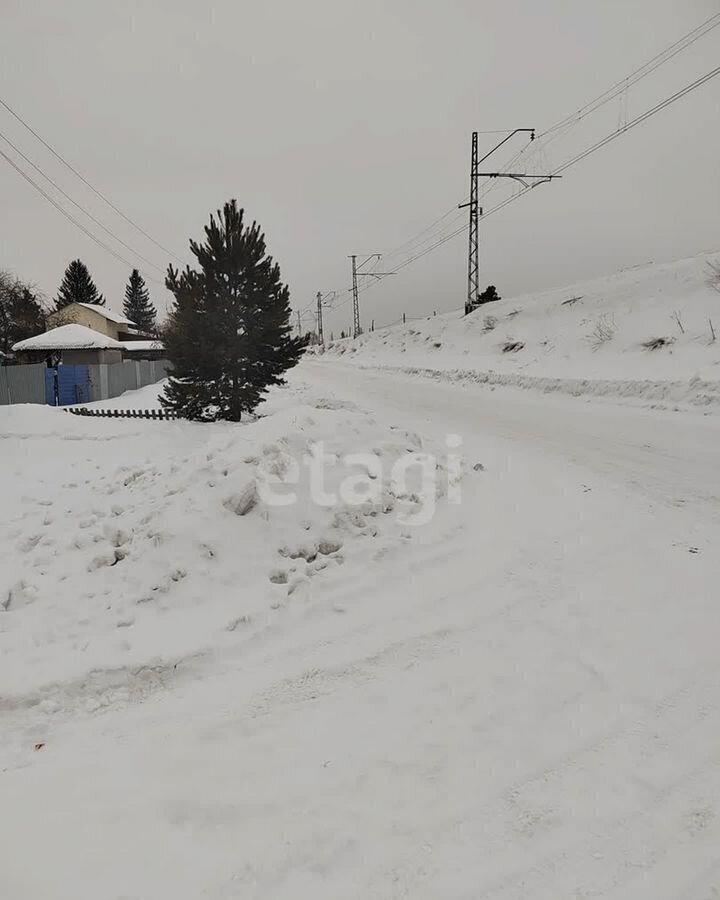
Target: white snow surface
(69,337)
(100,543)
(583,340)
(519,700)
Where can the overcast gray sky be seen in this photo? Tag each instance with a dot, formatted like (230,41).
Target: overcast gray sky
(344,126)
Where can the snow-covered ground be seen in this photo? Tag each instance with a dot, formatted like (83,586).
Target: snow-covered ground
(519,698)
(585,340)
(112,531)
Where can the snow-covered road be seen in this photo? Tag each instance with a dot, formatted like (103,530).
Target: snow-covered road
(522,701)
(668,455)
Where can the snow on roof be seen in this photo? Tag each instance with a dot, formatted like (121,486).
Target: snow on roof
(108,313)
(69,337)
(142,346)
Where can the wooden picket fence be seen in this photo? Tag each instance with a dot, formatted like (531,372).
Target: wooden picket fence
(156,414)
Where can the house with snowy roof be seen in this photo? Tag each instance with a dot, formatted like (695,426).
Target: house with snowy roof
(84,333)
(70,345)
(98,318)
(77,345)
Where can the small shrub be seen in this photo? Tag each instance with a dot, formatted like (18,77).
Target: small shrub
(603,331)
(511,346)
(656,343)
(489,295)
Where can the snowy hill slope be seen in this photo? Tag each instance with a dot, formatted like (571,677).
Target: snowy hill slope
(585,339)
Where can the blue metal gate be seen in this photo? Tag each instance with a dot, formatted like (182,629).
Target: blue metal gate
(67,385)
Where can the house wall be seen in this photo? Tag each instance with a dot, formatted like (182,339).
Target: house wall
(91,357)
(74,314)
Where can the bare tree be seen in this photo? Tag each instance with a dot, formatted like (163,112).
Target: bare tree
(22,311)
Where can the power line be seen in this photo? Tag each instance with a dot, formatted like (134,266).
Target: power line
(413,246)
(642,72)
(580,156)
(71,218)
(86,182)
(564,125)
(81,208)
(668,101)
(412,240)
(641,118)
(637,75)
(434,240)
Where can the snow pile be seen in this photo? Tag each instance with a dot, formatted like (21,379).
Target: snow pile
(125,542)
(647,333)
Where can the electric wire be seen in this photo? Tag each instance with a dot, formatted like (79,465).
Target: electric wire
(84,180)
(72,219)
(658,107)
(76,204)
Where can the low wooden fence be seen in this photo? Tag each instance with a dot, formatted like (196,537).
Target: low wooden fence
(122,413)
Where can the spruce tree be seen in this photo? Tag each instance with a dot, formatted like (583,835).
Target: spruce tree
(228,335)
(78,287)
(137,306)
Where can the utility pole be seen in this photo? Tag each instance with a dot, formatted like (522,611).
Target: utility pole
(356,270)
(356,305)
(319,318)
(323,300)
(473,295)
(475,213)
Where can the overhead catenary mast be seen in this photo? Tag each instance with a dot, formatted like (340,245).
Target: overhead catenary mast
(473,291)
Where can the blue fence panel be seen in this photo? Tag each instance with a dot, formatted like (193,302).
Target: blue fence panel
(67,385)
(50,387)
(73,385)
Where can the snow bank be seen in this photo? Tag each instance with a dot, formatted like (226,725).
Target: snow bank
(585,340)
(127,543)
